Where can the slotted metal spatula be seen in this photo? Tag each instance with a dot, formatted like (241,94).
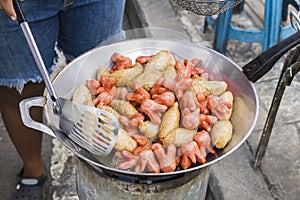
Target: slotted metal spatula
(91,128)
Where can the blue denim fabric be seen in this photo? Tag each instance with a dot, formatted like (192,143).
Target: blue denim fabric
(75,26)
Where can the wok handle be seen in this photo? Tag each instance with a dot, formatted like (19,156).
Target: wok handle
(263,63)
(25,106)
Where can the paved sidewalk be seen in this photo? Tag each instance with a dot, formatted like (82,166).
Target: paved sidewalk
(233,178)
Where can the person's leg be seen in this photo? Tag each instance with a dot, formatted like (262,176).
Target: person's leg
(26,140)
(18,73)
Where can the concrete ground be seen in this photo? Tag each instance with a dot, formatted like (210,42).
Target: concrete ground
(232,178)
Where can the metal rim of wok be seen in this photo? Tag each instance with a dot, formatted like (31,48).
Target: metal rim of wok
(148,45)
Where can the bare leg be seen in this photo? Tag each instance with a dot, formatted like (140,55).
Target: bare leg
(27,141)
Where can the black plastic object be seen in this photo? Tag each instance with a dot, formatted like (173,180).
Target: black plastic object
(20,16)
(263,63)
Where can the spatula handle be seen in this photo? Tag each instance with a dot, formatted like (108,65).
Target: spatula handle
(36,54)
(20,15)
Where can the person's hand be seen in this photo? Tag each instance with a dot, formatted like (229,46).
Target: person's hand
(7,5)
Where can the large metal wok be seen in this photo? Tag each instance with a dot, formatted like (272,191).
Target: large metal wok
(85,67)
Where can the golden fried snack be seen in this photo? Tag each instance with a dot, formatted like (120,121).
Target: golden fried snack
(209,87)
(111,110)
(102,71)
(125,76)
(83,96)
(170,120)
(228,97)
(155,68)
(179,136)
(149,129)
(200,85)
(125,142)
(124,108)
(170,72)
(216,87)
(221,133)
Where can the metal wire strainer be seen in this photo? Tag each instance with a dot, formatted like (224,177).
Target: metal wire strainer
(207,7)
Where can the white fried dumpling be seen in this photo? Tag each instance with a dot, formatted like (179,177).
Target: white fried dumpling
(179,136)
(221,133)
(149,129)
(125,76)
(228,97)
(216,87)
(125,142)
(124,108)
(110,110)
(209,87)
(199,85)
(83,96)
(170,72)
(102,71)
(155,68)
(170,120)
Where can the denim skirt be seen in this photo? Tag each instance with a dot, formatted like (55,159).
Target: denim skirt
(73,26)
